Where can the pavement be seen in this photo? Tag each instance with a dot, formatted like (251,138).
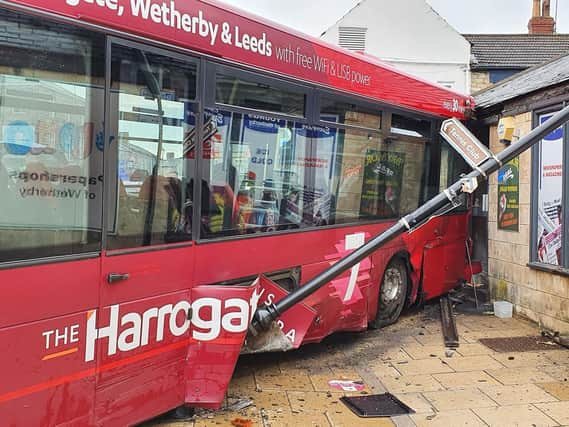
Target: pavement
(472,386)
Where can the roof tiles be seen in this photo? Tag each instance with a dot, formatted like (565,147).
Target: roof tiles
(515,51)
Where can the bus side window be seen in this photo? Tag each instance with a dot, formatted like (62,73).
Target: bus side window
(51,111)
(152,115)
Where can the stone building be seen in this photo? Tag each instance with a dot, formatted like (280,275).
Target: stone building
(528,245)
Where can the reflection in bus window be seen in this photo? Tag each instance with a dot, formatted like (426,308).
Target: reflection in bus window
(249,93)
(153,118)
(374,178)
(347,113)
(51,124)
(261,176)
(410,126)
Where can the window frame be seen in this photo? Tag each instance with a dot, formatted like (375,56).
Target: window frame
(562,269)
(112,203)
(213,67)
(205,97)
(91,253)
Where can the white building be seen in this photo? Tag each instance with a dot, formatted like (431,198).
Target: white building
(409,35)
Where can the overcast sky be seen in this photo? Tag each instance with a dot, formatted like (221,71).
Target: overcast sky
(466,16)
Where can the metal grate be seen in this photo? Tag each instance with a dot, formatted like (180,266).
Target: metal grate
(353,38)
(519,344)
(376,405)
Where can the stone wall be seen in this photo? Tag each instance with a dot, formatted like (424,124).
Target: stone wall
(540,296)
(479,80)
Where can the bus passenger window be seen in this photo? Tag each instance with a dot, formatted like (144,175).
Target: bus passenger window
(258,172)
(152,119)
(374,177)
(334,110)
(248,92)
(51,124)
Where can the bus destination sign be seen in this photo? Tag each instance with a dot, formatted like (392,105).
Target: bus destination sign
(463,141)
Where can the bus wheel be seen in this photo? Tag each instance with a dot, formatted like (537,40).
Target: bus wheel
(392,294)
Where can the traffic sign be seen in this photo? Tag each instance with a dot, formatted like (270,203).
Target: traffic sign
(463,141)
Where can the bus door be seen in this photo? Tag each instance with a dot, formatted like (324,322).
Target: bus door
(142,325)
(51,111)
(446,235)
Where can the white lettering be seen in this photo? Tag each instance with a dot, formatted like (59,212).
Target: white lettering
(74,334)
(148,314)
(178,331)
(47,334)
(213,325)
(129,339)
(241,316)
(129,331)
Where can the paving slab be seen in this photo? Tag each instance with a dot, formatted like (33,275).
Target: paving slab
(346,418)
(294,419)
(559,411)
(475,349)
(465,379)
(459,399)
(411,384)
(418,351)
(417,402)
(517,394)
(464,418)
(284,381)
(558,390)
(271,400)
(315,401)
(521,376)
(522,360)
(473,363)
(514,416)
(422,366)
(385,369)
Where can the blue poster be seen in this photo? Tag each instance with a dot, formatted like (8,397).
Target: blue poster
(20,137)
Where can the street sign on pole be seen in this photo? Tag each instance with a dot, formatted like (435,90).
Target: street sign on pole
(467,145)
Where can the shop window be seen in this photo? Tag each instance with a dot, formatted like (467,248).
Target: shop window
(153,117)
(51,126)
(550,243)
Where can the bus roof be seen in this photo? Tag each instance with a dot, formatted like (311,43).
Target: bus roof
(223,31)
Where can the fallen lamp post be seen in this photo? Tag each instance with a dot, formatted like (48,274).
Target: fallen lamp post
(265,315)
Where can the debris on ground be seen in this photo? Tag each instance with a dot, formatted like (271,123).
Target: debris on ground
(346,385)
(377,405)
(242,422)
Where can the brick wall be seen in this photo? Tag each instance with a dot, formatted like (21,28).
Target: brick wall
(540,296)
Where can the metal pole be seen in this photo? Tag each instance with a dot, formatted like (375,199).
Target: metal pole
(267,314)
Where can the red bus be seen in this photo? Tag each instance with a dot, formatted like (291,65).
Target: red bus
(155,158)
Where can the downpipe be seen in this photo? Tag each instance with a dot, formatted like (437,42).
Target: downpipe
(265,315)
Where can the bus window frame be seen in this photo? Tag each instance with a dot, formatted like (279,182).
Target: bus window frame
(205,98)
(213,67)
(108,168)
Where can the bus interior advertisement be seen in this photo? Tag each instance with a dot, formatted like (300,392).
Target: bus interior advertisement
(157,191)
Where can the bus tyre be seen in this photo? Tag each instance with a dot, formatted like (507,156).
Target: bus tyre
(392,294)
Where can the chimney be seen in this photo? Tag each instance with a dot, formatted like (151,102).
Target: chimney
(541,22)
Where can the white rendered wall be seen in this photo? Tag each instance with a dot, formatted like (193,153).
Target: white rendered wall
(411,36)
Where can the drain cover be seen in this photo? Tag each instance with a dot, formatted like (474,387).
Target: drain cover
(376,405)
(519,344)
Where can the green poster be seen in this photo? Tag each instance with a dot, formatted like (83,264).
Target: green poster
(509,196)
(381,190)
